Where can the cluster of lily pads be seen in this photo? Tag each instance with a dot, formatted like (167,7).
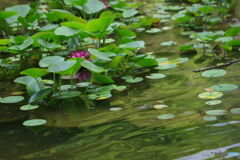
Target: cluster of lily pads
(215,92)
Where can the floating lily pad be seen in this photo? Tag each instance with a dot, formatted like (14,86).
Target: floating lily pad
(34,122)
(235,110)
(116,109)
(216,112)
(166,28)
(210,95)
(28,107)
(168,43)
(166,116)
(160,106)
(12,99)
(156,76)
(214,73)
(224,87)
(153,30)
(166,66)
(209,118)
(134,80)
(83,84)
(213,102)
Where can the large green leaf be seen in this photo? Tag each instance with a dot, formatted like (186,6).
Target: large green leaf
(28,42)
(22,11)
(92,67)
(102,79)
(129,13)
(40,95)
(99,54)
(5,14)
(93,6)
(12,99)
(66,31)
(48,45)
(100,24)
(50,60)
(35,72)
(61,66)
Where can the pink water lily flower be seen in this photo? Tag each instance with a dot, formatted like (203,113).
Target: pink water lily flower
(79,54)
(83,75)
(106,4)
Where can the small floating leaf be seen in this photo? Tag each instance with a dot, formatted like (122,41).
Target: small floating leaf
(216,112)
(235,110)
(116,109)
(209,118)
(34,122)
(213,102)
(168,43)
(28,107)
(153,30)
(12,99)
(160,106)
(156,76)
(224,87)
(210,95)
(166,116)
(166,66)
(214,73)
(134,80)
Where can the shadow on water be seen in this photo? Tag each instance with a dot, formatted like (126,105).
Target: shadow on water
(80,131)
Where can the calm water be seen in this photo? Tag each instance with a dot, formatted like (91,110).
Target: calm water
(80,131)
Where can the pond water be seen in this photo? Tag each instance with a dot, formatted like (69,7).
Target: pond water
(78,131)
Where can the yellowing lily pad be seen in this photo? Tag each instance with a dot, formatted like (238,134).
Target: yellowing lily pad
(160,106)
(213,102)
(210,95)
(166,116)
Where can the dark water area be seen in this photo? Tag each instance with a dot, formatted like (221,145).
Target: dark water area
(80,131)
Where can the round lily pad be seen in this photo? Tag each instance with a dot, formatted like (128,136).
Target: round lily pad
(12,99)
(209,118)
(168,43)
(34,122)
(210,95)
(224,87)
(134,80)
(116,109)
(235,110)
(160,106)
(214,73)
(166,66)
(213,102)
(166,116)
(156,76)
(216,112)
(153,30)
(28,107)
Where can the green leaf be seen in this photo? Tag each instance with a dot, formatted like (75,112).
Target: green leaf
(48,45)
(68,94)
(4,41)
(210,95)
(234,43)
(156,76)
(213,102)
(12,99)
(166,116)
(22,11)
(147,62)
(35,72)
(40,95)
(92,67)
(100,24)
(93,6)
(129,13)
(5,14)
(99,54)
(224,39)
(28,107)
(66,31)
(61,66)
(50,60)
(102,79)
(216,112)
(28,42)
(131,79)
(34,122)
(224,87)
(133,45)
(214,73)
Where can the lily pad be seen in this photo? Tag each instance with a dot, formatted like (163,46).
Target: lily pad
(210,95)
(160,106)
(168,43)
(166,66)
(214,73)
(166,116)
(116,109)
(209,118)
(213,102)
(34,122)
(154,30)
(134,80)
(224,87)
(28,107)
(235,110)
(156,76)
(216,112)
(12,99)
